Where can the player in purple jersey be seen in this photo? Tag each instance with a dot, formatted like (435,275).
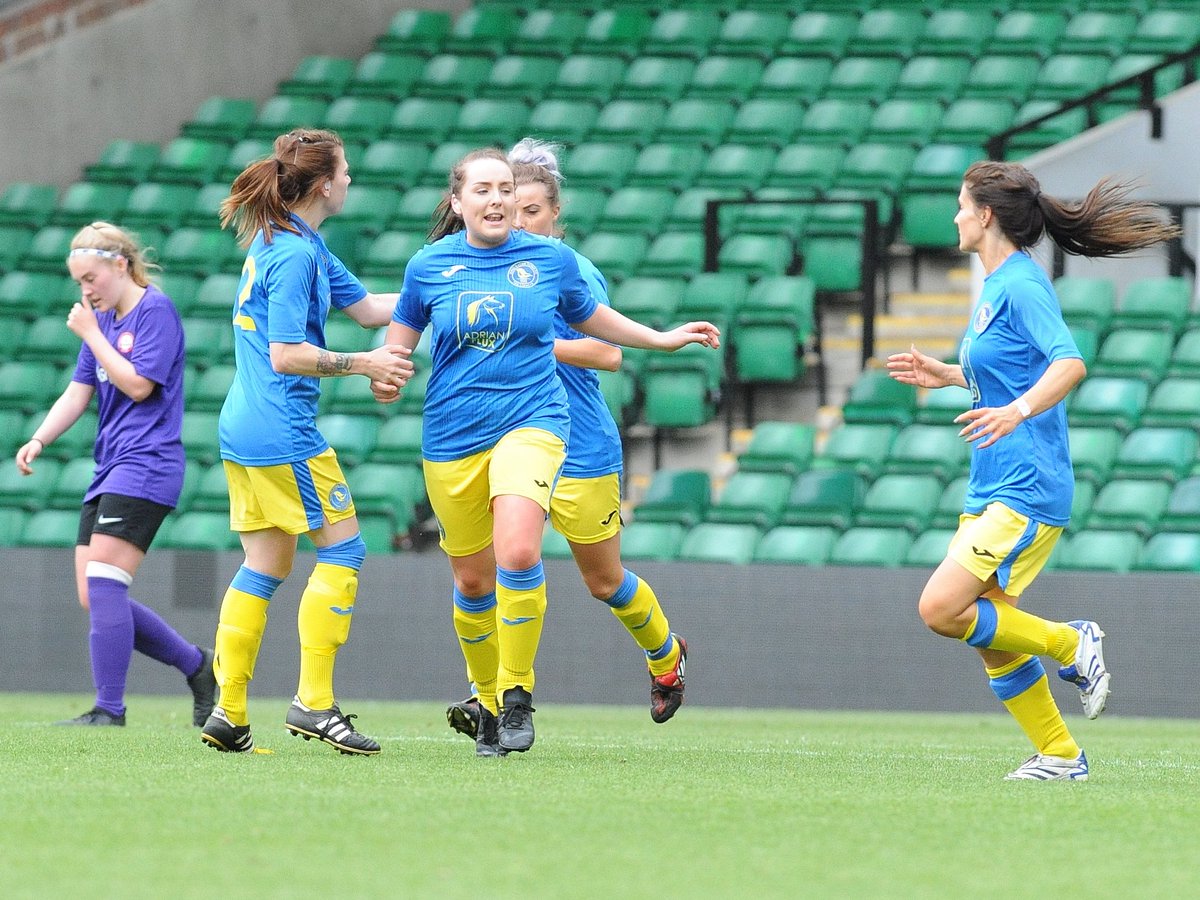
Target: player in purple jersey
(1020,362)
(132,360)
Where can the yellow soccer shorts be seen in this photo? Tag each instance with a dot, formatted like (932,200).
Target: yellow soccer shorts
(293,497)
(524,463)
(1002,542)
(587,510)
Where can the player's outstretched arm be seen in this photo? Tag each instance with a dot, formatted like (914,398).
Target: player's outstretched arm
(62,415)
(919,370)
(609,325)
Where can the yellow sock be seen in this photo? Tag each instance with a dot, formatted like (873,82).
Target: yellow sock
(326,607)
(636,606)
(1024,690)
(475,625)
(520,610)
(240,629)
(1001,626)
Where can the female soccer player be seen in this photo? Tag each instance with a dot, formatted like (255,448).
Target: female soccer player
(497,420)
(1020,362)
(284,478)
(132,359)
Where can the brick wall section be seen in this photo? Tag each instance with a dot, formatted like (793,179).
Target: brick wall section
(40,23)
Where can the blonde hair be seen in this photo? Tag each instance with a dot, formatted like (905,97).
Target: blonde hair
(112,240)
(536,162)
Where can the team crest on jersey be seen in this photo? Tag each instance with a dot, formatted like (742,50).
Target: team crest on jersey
(523,274)
(339,497)
(125,341)
(983,317)
(101,375)
(485,319)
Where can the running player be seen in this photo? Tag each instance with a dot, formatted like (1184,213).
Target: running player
(1020,362)
(132,361)
(284,478)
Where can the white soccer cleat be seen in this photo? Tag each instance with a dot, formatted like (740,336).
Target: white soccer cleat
(1088,672)
(1051,768)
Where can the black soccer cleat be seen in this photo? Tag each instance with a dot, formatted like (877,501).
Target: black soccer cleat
(221,734)
(204,689)
(487,738)
(463,716)
(96,716)
(330,726)
(666,691)
(516,721)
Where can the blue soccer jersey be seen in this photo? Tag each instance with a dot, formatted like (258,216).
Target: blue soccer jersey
(492,311)
(595,447)
(287,288)
(1016,331)
(138,448)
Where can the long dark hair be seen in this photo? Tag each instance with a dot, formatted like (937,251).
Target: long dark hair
(445,219)
(266,190)
(1105,223)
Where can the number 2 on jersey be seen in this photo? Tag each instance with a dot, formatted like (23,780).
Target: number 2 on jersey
(240,319)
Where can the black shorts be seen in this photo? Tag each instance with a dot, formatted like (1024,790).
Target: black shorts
(131,519)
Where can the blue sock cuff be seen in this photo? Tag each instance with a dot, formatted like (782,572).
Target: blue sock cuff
(255,583)
(625,592)
(474,604)
(985,624)
(349,553)
(521,579)
(663,650)
(1019,680)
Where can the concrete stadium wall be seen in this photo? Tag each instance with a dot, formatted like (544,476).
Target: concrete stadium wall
(761,636)
(141,71)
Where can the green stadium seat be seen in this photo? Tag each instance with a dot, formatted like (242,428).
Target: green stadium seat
(633,121)
(425,120)
(903,121)
(932,449)
(773,213)
(485,28)
(207,391)
(215,296)
(818,33)
(755,498)
(1090,302)
(957,32)
(619,30)
(13,431)
(615,254)
(414,211)
(726,78)
(927,219)
(1174,402)
(764,120)
(1164,454)
(51,528)
(319,76)
(387,76)
(778,447)
(900,501)
(1070,75)
(205,208)
(674,254)
(1052,131)
(378,533)
(752,32)
(212,490)
(189,160)
(14,241)
(30,295)
(713,296)
(862,447)
(373,207)
(123,161)
(221,118)
(1130,504)
(800,79)
(806,167)
(1185,357)
(1170,552)
(523,78)
(243,153)
(652,540)
(554,545)
(1155,303)
(661,78)
(416,30)
(1164,31)
(736,166)
(673,166)
(1134,352)
(877,397)
(1002,77)
(876,167)
(863,78)
(30,386)
(352,437)
(12,526)
(453,77)
(932,78)
(78,441)
(805,545)
(72,483)
(1182,512)
(581,209)
(773,326)
(929,548)
(562,120)
(84,202)
(1117,402)
(200,251)
(588,77)
(683,32)
(1094,452)
(1082,502)
(824,497)
(881,547)
(835,121)
(1028,31)
(49,340)
(691,204)
(31,492)
(549,31)
(1099,551)
(652,301)
(600,165)
(164,205)
(281,114)
(887,32)
(199,436)
(388,253)
(358,118)
(720,542)
(950,504)
(679,496)
(972,120)
(390,163)
(1103,33)
(619,389)
(344,334)
(199,530)
(677,397)
(941,166)
(399,441)
(638,210)
(47,251)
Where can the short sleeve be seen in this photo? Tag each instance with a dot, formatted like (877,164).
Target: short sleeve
(158,343)
(344,289)
(410,311)
(288,283)
(575,300)
(85,367)
(1039,318)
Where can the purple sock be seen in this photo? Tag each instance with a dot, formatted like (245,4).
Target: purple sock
(111,641)
(153,637)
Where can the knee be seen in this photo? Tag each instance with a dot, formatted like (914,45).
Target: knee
(522,555)
(938,617)
(475,584)
(603,584)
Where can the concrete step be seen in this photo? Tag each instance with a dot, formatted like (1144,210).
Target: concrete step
(912,326)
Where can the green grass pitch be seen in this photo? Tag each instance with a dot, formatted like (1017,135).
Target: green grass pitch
(716,803)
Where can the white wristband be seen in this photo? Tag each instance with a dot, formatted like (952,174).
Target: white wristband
(1022,407)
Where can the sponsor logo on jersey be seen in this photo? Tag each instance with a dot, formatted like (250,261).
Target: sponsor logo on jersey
(125,341)
(484,319)
(523,274)
(449,273)
(983,317)
(339,496)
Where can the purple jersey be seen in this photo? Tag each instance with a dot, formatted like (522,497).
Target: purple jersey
(138,449)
